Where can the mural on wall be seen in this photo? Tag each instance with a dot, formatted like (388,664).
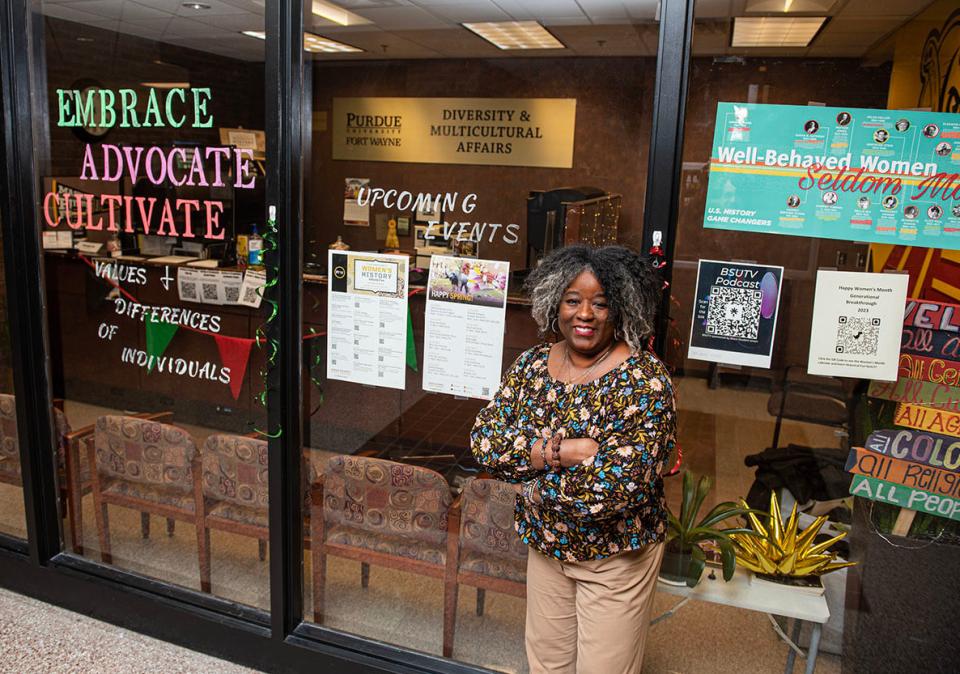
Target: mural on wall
(940,67)
(926,74)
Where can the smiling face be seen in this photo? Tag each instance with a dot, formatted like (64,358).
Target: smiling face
(583,317)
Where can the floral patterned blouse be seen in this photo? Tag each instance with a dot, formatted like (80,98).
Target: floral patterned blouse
(609,504)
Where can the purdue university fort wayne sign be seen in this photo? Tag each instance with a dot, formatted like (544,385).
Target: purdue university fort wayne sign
(491,131)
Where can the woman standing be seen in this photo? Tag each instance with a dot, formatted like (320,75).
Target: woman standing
(586,425)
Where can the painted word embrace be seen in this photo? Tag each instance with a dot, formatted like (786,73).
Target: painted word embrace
(215,166)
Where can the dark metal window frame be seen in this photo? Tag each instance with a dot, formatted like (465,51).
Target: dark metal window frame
(279,639)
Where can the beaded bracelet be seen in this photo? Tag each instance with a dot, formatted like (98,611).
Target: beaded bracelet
(543,453)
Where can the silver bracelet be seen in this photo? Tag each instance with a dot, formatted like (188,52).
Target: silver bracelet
(543,453)
(529,489)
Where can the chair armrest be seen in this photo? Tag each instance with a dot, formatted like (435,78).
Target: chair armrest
(154,416)
(73,436)
(454,513)
(316,490)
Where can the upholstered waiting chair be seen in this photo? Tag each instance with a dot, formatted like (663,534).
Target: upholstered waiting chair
(483,549)
(232,492)
(72,472)
(144,465)
(378,512)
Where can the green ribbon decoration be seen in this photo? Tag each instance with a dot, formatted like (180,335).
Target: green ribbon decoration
(270,248)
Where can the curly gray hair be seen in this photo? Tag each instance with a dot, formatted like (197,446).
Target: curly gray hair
(632,287)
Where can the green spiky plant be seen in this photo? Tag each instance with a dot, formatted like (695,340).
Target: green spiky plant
(684,559)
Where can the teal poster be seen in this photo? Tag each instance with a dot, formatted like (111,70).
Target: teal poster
(883,176)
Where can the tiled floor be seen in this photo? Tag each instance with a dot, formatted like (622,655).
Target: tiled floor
(36,637)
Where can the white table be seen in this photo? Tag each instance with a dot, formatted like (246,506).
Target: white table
(769,598)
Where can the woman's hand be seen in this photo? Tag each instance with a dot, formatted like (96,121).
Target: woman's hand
(574,451)
(545,450)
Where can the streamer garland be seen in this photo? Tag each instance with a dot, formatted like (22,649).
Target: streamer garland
(273,344)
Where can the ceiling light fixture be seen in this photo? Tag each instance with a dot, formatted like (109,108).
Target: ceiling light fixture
(195,5)
(313,43)
(331,12)
(515,35)
(775,31)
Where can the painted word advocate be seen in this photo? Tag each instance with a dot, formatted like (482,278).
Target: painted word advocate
(197,167)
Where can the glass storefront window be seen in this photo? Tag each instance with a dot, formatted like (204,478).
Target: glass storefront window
(12,520)
(152,181)
(467,141)
(756,428)
(450,146)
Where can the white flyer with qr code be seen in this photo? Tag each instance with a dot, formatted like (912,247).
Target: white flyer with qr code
(856,327)
(735,313)
(464,324)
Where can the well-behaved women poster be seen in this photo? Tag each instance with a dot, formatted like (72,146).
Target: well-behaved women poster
(884,176)
(857,320)
(367,318)
(735,313)
(465,315)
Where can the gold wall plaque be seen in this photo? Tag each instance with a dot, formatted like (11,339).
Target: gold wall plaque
(488,131)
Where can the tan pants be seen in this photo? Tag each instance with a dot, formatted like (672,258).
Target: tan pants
(590,617)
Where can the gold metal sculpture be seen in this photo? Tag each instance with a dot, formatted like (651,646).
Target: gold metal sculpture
(781,550)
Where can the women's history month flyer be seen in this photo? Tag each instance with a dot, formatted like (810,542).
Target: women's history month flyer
(883,176)
(367,318)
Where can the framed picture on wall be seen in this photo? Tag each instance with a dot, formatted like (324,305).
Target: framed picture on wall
(428,214)
(403,226)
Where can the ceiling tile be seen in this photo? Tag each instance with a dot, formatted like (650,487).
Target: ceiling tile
(403,18)
(468,12)
(873,8)
(118,9)
(713,9)
(217,7)
(233,22)
(67,12)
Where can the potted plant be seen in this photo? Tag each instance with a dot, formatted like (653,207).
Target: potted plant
(684,559)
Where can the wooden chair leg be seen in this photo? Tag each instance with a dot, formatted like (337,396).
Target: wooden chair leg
(74,498)
(144,525)
(203,554)
(451,572)
(261,549)
(481,598)
(171,526)
(450,591)
(103,531)
(319,581)
(364,575)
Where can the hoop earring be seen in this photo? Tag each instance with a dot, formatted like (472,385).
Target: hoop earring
(553,326)
(617,334)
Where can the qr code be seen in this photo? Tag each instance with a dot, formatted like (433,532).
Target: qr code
(734,312)
(209,291)
(858,335)
(188,291)
(232,293)
(250,295)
